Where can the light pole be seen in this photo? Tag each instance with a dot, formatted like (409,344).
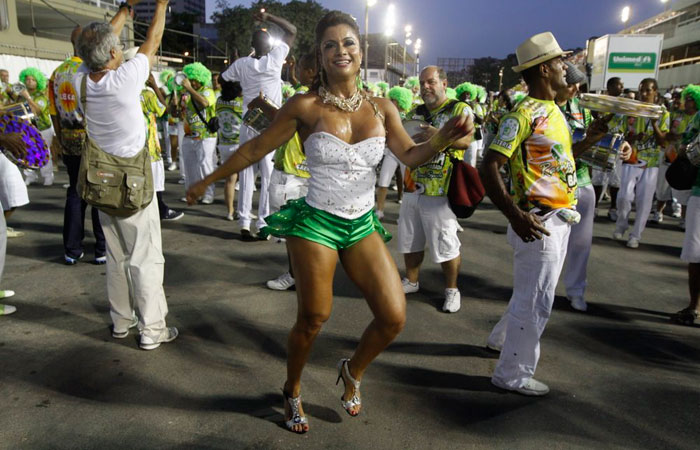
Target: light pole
(500,79)
(406,42)
(417,52)
(389,24)
(368,5)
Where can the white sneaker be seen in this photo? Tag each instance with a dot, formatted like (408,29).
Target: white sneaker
(618,235)
(656,217)
(578,303)
(48,181)
(6,310)
(207,200)
(380,214)
(633,242)
(172,167)
(408,287)
(459,228)
(677,210)
(531,387)
(31,177)
(281,283)
(181,180)
(167,335)
(453,300)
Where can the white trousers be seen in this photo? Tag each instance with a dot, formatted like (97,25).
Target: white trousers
(536,269)
(246,183)
(135,267)
(3,244)
(580,240)
(389,165)
(638,184)
(198,158)
(285,187)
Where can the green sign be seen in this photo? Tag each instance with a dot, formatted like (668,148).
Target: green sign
(632,62)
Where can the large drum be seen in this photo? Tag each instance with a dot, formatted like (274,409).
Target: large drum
(255,118)
(604,153)
(414,126)
(15,119)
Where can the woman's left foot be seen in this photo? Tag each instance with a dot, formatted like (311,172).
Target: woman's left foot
(350,400)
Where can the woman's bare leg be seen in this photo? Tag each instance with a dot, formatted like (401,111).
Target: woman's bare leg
(314,267)
(370,266)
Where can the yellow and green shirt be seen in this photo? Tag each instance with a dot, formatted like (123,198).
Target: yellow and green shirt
(290,158)
(43,119)
(152,109)
(197,128)
(230,114)
(646,152)
(537,140)
(435,174)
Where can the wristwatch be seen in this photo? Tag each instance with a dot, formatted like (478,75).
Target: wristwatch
(125,5)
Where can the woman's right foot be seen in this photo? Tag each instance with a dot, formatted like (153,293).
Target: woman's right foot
(294,418)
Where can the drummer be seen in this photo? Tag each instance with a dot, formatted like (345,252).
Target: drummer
(610,178)
(36,96)
(425,217)
(581,236)
(259,73)
(639,173)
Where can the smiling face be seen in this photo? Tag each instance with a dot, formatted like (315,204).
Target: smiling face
(341,55)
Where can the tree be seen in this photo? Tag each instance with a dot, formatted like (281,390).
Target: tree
(236,26)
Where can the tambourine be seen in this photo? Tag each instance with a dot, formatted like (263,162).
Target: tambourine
(180,78)
(38,153)
(620,105)
(604,153)
(414,126)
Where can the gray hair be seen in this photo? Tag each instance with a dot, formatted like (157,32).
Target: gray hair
(95,43)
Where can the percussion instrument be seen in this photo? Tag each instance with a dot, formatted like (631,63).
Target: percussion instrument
(180,78)
(12,121)
(255,119)
(620,105)
(692,151)
(20,111)
(604,153)
(414,126)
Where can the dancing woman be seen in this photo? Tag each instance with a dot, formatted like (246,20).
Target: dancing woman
(344,134)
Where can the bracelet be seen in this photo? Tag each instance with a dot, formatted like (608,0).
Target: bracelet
(125,5)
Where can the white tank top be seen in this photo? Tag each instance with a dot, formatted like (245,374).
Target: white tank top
(342,175)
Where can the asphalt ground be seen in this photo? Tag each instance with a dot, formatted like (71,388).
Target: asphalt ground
(622,376)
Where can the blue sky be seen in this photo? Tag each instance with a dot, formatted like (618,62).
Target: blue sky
(494,27)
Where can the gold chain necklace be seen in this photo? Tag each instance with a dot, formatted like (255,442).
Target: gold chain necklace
(351,104)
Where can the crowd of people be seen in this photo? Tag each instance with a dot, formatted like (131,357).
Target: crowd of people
(325,146)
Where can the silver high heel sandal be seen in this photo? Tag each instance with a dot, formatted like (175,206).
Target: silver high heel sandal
(355,401)
(297,418)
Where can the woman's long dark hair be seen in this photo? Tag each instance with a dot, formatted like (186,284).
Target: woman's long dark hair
(331,19)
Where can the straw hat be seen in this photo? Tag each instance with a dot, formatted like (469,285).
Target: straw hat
(537,49)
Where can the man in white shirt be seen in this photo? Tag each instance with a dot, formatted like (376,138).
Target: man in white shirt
(116,124)
(259,73)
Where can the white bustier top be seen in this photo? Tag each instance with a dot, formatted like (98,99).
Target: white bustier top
(342,175)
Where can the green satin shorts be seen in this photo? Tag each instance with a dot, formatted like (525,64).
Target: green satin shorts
(297,218)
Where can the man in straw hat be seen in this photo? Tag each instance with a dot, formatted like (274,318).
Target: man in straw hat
(535,140)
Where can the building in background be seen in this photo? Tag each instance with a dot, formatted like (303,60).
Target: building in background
(458,70)
(680,56)
(388,60)
(145,9)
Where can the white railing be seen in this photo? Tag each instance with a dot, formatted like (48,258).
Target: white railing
(680,62)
